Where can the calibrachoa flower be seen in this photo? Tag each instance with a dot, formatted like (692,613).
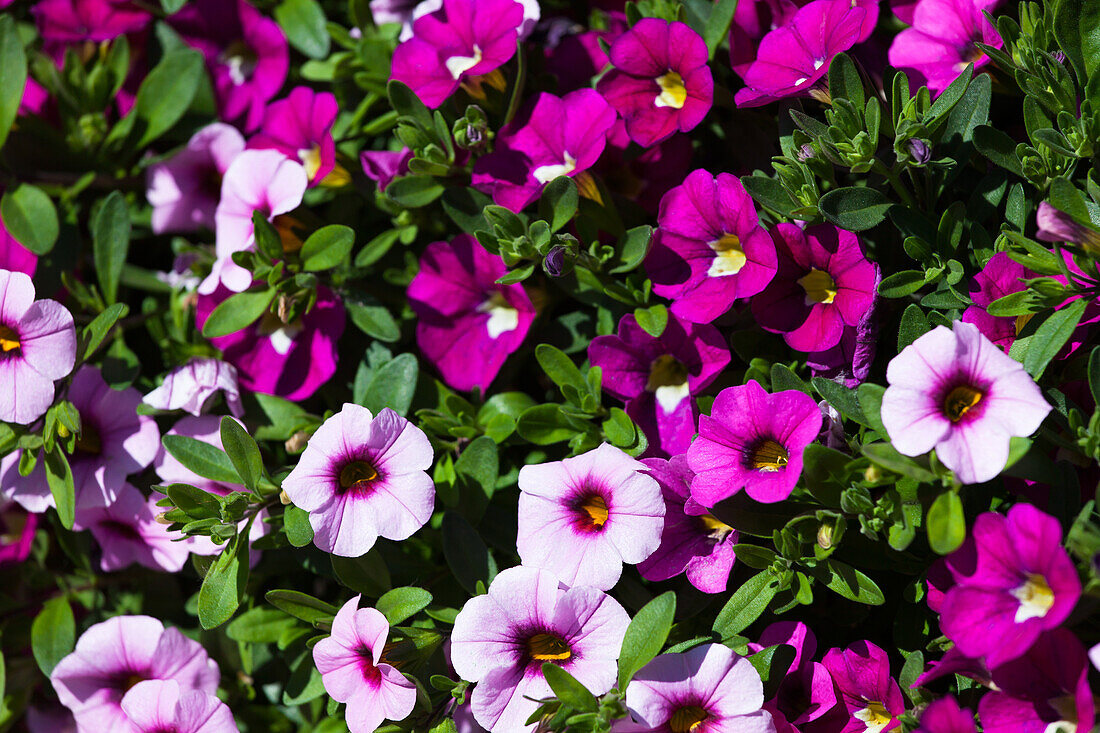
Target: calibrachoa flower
(849,362)
(945,716)
(300,127)
(16,532)
(807,692)
(823,283)
(708,689)
(362,476)
(555,136)
(657,377)
(72,21)
(869,694)
(1024,583)
(583,517)
(465,38)
(127,532)
(954,391)
(467,323)
(352,669)
(13,255)
(113,656)
(660,81)
(1001,276)
(752,440)
(193,386)
(37,346)
(709,249)
(1058,226)
(501,640)
(382,166)
(942,41)
(157,706)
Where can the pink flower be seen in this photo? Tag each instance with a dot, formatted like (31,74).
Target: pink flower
(942,41)
(945,716)
(1001,276)
(16,532)
(868,692)
(128,532)
(13,255)
(382,166)
(807,692)
(184,189)
(352,669)
(72,21)
(193,386)
(300,127)
(1058,226)
(156,706)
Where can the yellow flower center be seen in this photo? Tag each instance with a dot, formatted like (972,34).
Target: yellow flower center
(768,456)
(875,716)
(687,719)
(459,65)
(729,256)
(548,648)
(593,510)
(715,527)
(1035,597)
(960,401)
(819,286)
(673,92)
(9,340)
(357,475)
(311,160)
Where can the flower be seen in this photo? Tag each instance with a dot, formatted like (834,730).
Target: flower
(300,127)
(16,532)
(1001,276)
(155,706)
(657,376)
(752,440)
(193,386)
(954,391)
(659,81)
(113,656)
(553,136)
(823,283)
(1024,583)
(382,166)
(501,640)
(363,476)
(943,41)
(807,692)
(13,255)
(708,689)
(128,532)
(1058,226)
(73,21)
(643,178)
(37,346)
(185,188)
(467,323)
(531,14)
(849,362)
(945,716)
(465,38)
(709,249)
(868,692)
(583,517)
(352,670)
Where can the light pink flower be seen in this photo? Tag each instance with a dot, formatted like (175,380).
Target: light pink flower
(185,188)
(127,532)
(157,706)
(193,386)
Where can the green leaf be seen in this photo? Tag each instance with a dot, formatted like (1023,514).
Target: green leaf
(393,386)
(902,283)
(558,202)
(172,6)
(13,60)
(259,626)
(267,236)
(414,192)
(971,111)
(299,532)
(870,401)
(770,193)
(1094,374)
(619,429)
(568,689)
(1051,336)
(646,635)
(367,574)
(111,242)
(53,634)
(242,451)
(845,81)
(950,96)
(772,664)
(465,552)
(101,325)
(840,397)
(946,523)
(848,582)
(327,247)
(59,476)
(545,425)
(560,368)
(633,246)
(400,604)
(854,209)
(718,24)
(305,683)
(223,587)
(166,94)
(405,102)
(653,320)
(888,457)
(304,24)
(237,312)
(998,147)
(193,501)
(746,605)
(309,609)
(465,206)
(914,324)
(1077,29)
(30,217)
(202,458)
(373,319)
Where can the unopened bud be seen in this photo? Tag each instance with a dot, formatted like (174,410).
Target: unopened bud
(554,263)
(873,474)
(919,151)
(825,536)
(297,443)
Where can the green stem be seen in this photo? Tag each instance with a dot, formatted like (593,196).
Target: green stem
(895,183)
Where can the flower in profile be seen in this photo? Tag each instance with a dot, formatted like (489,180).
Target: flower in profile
(1024,583)
(156,706)
(824,282)
(353,670)
(1000,276)
(581,518)
(193,386)
(954,391)
(73,21)
(943,41)
(382,166)
(362,476)
(754,441)
(708,689)
(945,716)
(463,39)
(657,376)
(1058,226)
(185,188)
(113,656)
(554,136)
(37,346)
(467,323)
(127,532)
(300,127)
(870,695)
(659,82)
(709,249)
(502,638)
(13,255)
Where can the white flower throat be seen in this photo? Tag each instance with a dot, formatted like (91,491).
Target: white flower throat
(502,316)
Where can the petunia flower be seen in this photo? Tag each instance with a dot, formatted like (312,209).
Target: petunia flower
(870,695)
(1000,276)
(465,38)
(300,127)
(13,255)
(113,656)
(531,14)
(807,692)
(659,82)
(943,41)
(156,706)
(754,441)
(127,532)
(552,137)
(37,346)
(657,376)
(583,517)
(709,249)
(467,323)
(185,188)
(353,670)
(954,391)
(74,21)
(501,640)
(824,282)
(362,476)
(193,386)
(945,716)
(1024,583)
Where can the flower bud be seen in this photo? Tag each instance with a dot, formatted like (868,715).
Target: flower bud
(919,151)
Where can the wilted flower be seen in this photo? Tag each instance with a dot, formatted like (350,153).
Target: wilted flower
(193,386)
(300,127)
(185,188)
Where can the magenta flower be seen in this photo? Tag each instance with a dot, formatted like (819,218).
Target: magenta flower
(193,387)
(583,517)
(13,255)
(954,391)
(824,282)
(1058,226)
(382,166)
(945,716)
(708,689)
(464,38)
(467,323)
(580,56)
(300,127)
(363,476)
(127,532)
(942,41)
(870,695)
(752,440)
(646,177)
(752,20)
(156,706)
(16,529)
(1001,276)
(709,249)
(113,656)
(246,54)
(849,362)
(554,136)
(657,377)
(291,360)
(353,671)
(660,81)
(37,346)
(1024,584)
(807,692)
(501,640)
(184,189)
(73,21)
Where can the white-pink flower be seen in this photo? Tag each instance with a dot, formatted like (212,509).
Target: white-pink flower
(193,386)
(184,189)
(162,706)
